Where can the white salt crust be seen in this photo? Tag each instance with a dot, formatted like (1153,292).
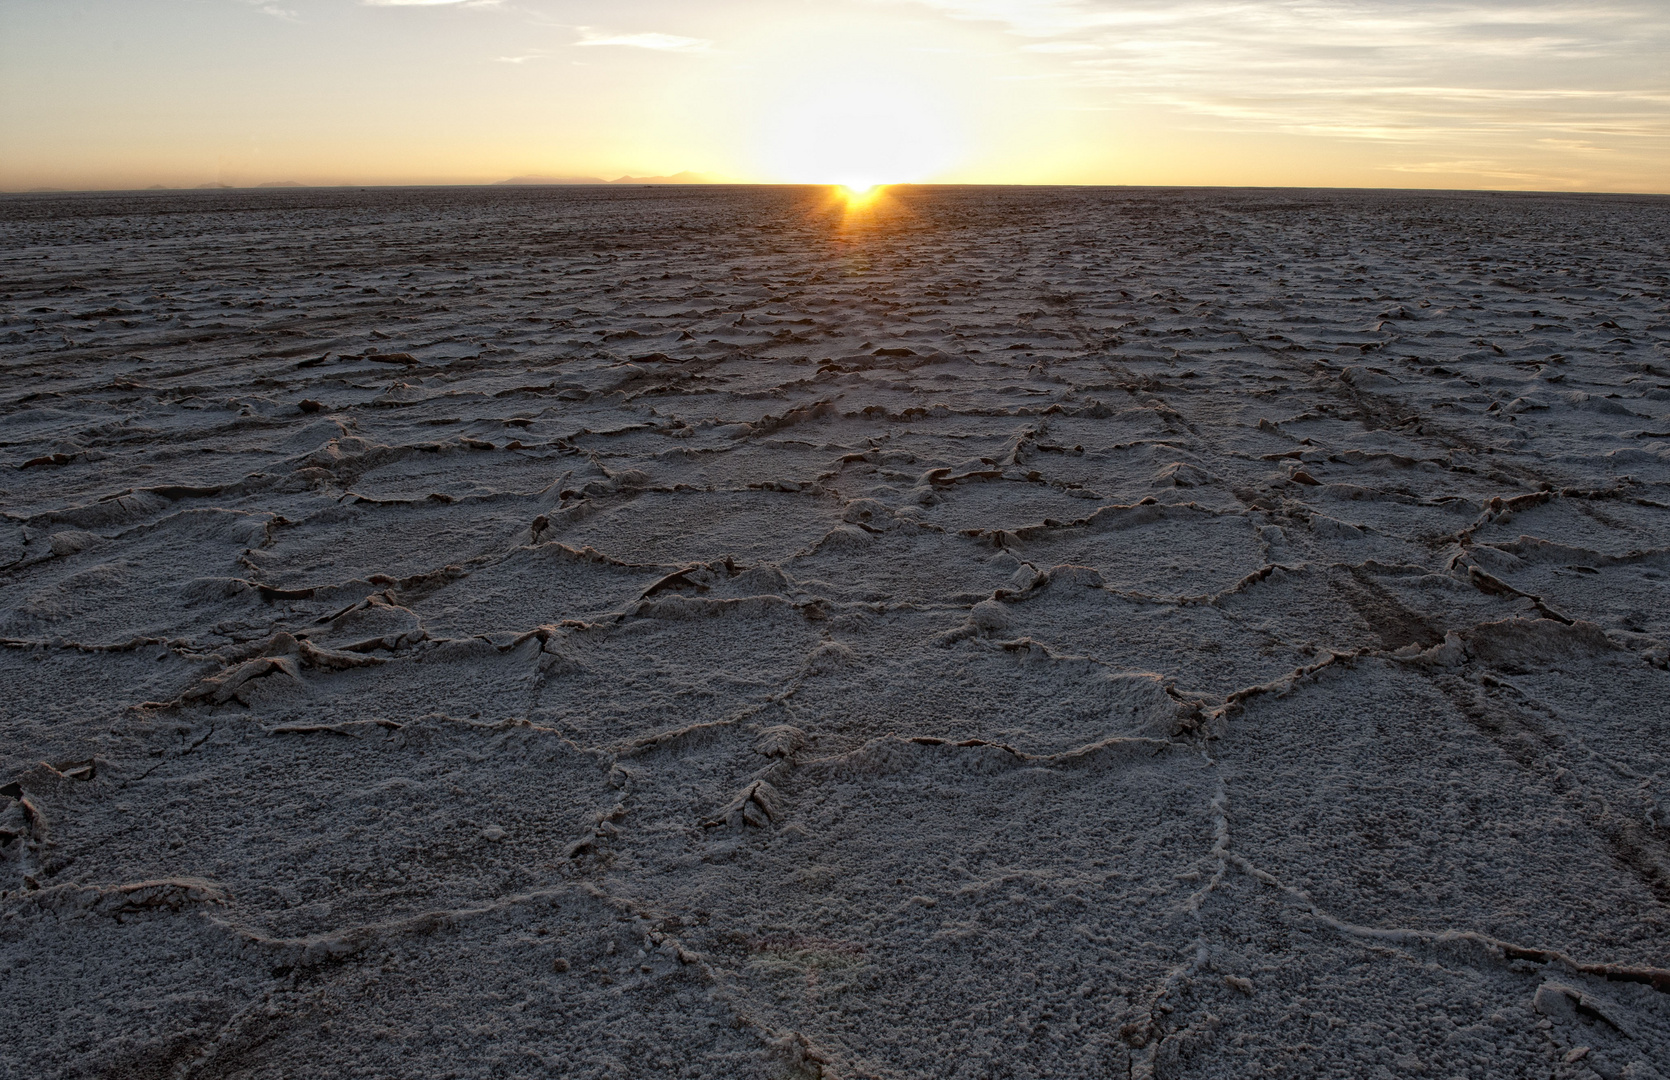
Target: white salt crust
(1015,633)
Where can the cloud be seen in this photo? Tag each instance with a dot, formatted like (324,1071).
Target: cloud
(1397,70)
(661,42)
(430,3)
(1062,47)
(1489,169)
(274,10)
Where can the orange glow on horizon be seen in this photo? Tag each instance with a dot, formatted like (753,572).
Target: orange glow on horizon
(859,192)
(863,208)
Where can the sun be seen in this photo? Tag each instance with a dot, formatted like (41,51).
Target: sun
(859,134)
(860,200)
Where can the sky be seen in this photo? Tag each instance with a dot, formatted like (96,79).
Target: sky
(1499,94)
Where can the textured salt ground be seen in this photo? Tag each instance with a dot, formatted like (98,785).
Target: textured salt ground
(1008,633)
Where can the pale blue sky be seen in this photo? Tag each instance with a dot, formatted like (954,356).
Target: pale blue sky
(1530,94)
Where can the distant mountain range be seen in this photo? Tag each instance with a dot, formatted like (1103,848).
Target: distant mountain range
(534,181)
(234,187)
(676,178)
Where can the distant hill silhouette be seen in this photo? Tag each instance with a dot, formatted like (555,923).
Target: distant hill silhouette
(528,181)
(281,183)
(213,187)
(676,178)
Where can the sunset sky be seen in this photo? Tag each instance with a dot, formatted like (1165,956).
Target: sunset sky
(1377,93)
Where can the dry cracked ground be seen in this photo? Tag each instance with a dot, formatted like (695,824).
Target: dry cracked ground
(711,633)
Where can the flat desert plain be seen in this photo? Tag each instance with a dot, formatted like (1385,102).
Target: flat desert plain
(722,632)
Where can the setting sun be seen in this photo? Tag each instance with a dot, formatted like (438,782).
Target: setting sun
(858,118)
(859,199)
(876,135)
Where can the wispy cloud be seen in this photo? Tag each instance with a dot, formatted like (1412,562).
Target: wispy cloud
(274,10)
(1490,170)
(1369,69)
(430,3)
(1062,47)
(661,42)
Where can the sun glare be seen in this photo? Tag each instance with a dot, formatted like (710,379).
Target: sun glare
(857,198)
(859,139)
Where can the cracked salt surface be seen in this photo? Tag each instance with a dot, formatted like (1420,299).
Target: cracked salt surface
(1017,633)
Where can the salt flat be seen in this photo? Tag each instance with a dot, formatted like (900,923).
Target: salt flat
(709,632)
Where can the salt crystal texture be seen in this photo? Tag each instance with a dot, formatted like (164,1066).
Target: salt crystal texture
(998,633)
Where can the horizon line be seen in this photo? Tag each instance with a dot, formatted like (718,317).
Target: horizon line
(624,182)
